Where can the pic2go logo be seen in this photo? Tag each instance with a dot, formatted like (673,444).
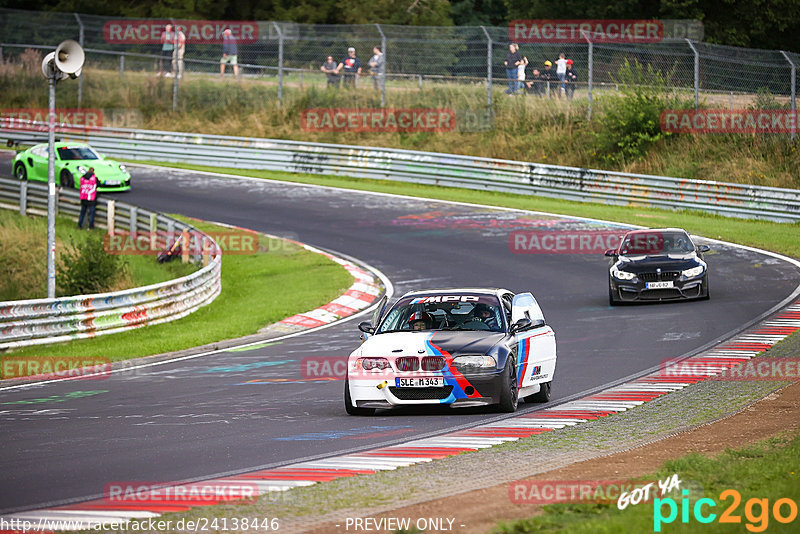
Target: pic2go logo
(756,511)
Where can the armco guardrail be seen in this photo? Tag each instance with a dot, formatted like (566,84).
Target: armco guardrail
(736,200)
(39,321)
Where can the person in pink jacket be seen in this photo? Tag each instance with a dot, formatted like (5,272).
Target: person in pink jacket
(88,194)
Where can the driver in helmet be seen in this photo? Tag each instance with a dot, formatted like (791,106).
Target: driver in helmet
(420,321)
(483,313)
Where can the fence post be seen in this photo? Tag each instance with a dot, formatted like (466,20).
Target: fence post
(383,77)
(590,86)
(110,209)
(794,88)
(696,74)
(133,218)
(80,42)
(23,197)
(176,68)
(153,231)
(280,62)
(121,65)
(488,68)
(301,80)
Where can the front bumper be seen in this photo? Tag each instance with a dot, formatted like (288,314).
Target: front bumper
(380,392)
(636,290)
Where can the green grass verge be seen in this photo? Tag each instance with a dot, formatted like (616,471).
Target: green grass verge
(259,289)
(768,470)
(783,238)
(23,263)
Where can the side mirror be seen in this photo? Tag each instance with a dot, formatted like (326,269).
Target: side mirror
(703,248)
(366,327)
(522,324)
(611,252)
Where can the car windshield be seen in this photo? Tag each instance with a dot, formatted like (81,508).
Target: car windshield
(444,312)
(76,153)
(656,242)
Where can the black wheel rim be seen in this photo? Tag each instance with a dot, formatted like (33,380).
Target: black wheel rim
(513,386)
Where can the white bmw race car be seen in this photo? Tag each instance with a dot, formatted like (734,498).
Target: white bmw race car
(461,347)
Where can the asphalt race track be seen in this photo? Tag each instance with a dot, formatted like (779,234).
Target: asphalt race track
(235,410)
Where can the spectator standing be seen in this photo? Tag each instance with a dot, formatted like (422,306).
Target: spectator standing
(329,68)
(521,71)
(377,66)
(571,78)
(561,70)
(167,47)
(548,75)
(88,196)
(513,59)
(230,53)
(352,67)
(179,51)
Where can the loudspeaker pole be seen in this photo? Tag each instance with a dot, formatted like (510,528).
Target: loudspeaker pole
(51,188)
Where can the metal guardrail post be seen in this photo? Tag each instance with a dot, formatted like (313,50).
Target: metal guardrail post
(80,42)
(280,62)
(23,197)
(134,211)
(121,65)
(696,74)
(794,87)
(110,214)
(383,76)
(488,68)
(590,76)
(153,231)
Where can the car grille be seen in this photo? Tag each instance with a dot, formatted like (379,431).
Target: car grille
(666,276)
(421,393)
(407,363)
(659,294)
(432,363)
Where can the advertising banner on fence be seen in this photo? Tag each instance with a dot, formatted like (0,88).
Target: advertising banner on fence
(747,121)
(148,31)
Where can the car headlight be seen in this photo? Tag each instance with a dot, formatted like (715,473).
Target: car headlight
(368,364)
(474,361)
(622,275)
(694,271)
(81,169)
(123,168)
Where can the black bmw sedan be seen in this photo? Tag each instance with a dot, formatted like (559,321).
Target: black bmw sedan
(657,265)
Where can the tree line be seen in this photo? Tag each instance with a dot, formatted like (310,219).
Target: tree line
(772,24)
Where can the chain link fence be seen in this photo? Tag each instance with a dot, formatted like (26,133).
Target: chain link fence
(290,56)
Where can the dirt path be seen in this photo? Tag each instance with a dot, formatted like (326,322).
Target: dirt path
(479,511)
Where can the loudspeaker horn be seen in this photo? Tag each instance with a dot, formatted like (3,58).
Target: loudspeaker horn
(48,65)
(69,57)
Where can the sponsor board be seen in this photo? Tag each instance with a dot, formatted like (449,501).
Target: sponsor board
(148,31)
(747,121)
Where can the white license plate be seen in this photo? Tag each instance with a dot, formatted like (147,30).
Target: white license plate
(112,182)
(659,285)
(420,382)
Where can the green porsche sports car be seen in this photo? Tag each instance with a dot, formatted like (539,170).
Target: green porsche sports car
(72,162)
